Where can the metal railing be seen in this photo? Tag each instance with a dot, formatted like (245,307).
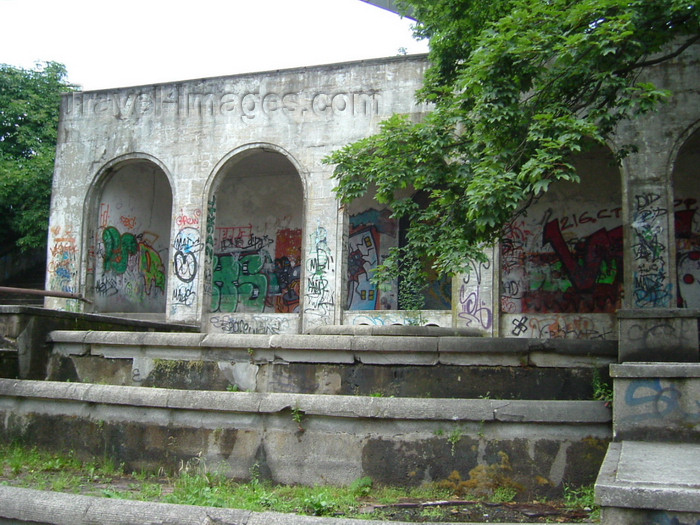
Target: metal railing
(44,293)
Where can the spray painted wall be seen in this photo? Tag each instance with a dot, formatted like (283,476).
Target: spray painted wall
(686,183)
(257,239)
(129,252)
(564,255)
(372,233)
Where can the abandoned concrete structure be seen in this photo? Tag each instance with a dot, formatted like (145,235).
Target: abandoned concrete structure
(206,202)
(204,208)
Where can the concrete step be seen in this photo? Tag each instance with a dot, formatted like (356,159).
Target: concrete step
(439,364)
(38,506)
(538,446)
(650,482)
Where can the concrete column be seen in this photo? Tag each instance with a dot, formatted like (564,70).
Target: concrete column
(475,295)
(323,253)
(187,265)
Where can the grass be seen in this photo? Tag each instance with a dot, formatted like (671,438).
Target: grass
(192,485)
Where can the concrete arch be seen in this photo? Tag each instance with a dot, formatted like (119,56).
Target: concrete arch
(255,219)
(240,153)
(561,263)
(128,214)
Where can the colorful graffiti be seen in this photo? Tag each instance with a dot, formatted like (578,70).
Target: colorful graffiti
(62,265)
(575,266)
(372,233)
(120,250)
(246,278)
(688,253)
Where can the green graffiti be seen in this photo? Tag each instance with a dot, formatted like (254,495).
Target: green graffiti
(118,248)
(152,268)
(238,281)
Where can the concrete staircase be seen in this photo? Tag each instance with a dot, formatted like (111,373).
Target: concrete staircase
(651,472)
(402,405)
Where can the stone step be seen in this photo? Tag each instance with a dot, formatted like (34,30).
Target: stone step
(650,482)
(444,366)
(295,438)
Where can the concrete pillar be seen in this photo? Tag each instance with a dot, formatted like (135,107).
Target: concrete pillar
(322,275)
(187,268)
(475,295)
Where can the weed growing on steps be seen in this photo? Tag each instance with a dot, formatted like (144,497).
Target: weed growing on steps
(194,485)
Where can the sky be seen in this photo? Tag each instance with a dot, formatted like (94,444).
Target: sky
(108,44)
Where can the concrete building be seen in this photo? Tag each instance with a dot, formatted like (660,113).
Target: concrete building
(207,202)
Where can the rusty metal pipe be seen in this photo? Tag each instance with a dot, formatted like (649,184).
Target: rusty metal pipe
(45,293)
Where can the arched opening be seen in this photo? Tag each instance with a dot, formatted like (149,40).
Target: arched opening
(686,193)
(372,234)
(564,255)
(132,238)
(257,236)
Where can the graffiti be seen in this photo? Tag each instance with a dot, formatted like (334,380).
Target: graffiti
(118,248)
(475,309)
(575,266)
(239,280)
(246,278)
(363,258)
(62,265)
(106,286)
(128,222)
(184,295)
(183,220)
(320,297)
(560,326)
(520,326)
(597,249)
(254,325)
(651,286)
(688,254)
(131,254)
(664,518)
(657,401)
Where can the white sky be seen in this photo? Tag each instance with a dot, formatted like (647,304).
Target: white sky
(107,44)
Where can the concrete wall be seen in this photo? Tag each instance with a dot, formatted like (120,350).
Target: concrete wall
(539,446)
(219,143)
(239,230)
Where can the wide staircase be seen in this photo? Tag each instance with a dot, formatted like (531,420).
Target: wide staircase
(403,405)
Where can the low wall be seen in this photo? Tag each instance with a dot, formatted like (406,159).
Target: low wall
(657,402)
(296,438)
(351,361)
(24,331)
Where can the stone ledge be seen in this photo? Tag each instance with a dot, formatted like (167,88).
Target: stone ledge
(436,409)
(647,370)
(657,476)
(37,506)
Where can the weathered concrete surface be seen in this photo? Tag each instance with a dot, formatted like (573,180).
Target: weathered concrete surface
(656,402)
(19,505)
(660,335)
(296,438)
(24,331)
(648,482)
(423,366)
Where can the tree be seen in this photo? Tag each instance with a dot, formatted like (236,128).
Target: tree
(29,108)
(517,87)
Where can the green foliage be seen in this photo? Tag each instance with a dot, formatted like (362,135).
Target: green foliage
(517,88)
(602,391)
(29,108)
